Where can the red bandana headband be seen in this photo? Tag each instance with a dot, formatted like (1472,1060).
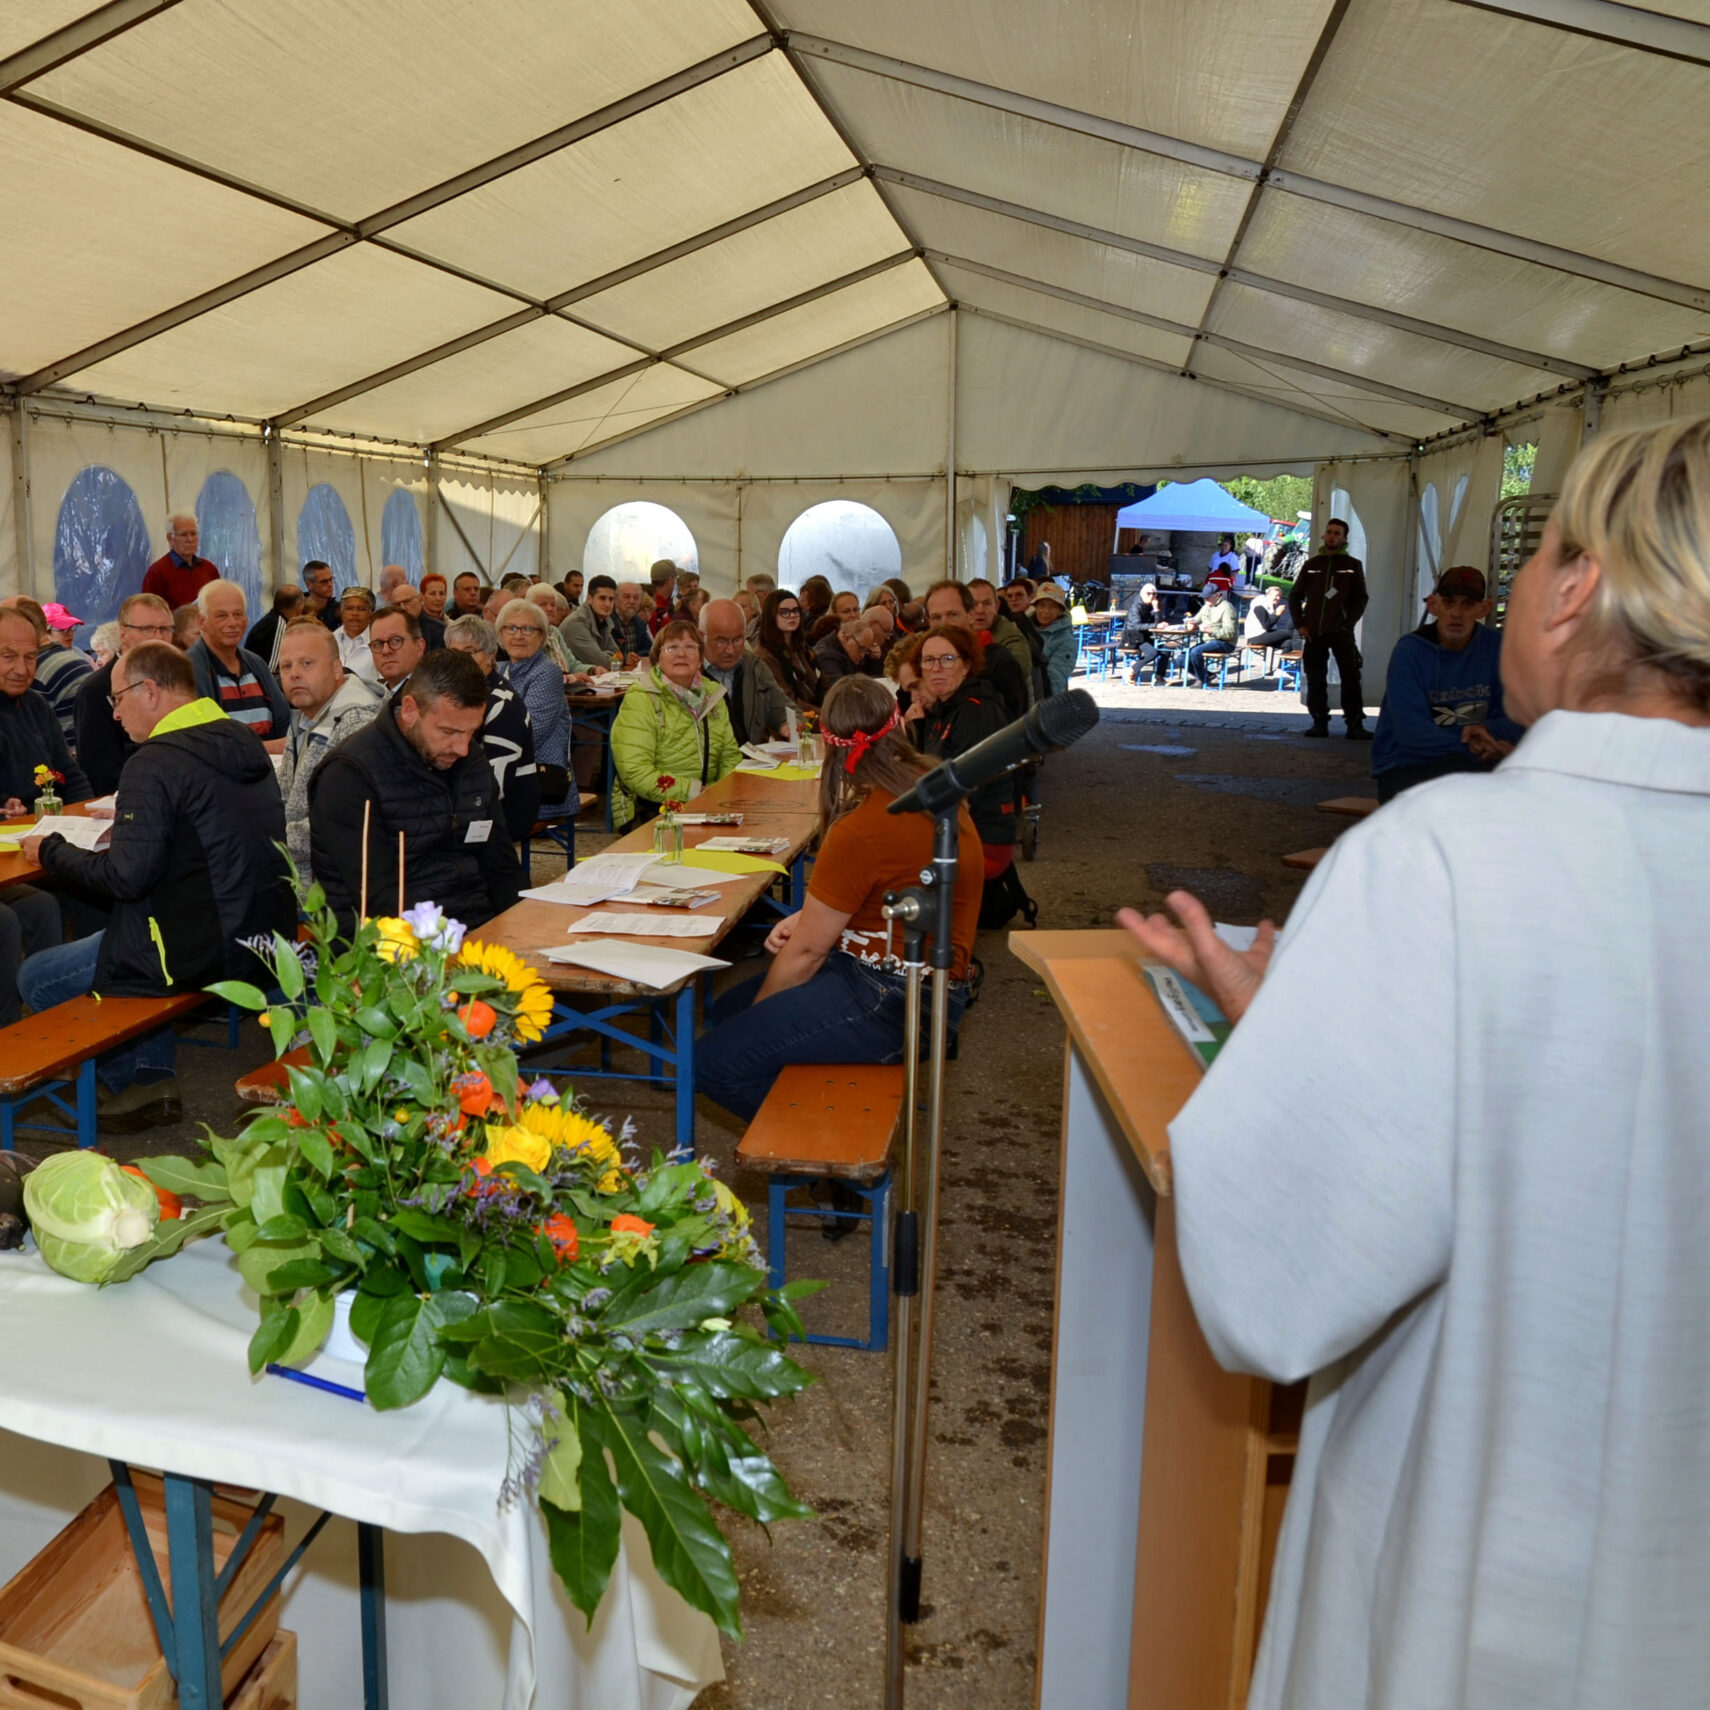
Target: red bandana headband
(862,740)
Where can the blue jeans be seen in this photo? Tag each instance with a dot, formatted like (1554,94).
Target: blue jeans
(1196,658)
(68,971)
(847,1013)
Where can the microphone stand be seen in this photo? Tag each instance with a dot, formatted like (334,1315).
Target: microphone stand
(928,908)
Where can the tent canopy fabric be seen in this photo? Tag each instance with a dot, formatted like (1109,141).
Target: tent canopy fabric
(1201,507)
(530,231)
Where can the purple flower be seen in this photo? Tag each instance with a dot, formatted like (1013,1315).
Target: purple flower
(434,930)
(543,1091)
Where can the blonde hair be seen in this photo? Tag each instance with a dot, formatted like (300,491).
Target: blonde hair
(1638,503)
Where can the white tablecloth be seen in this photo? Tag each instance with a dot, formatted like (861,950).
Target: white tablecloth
(154,1372)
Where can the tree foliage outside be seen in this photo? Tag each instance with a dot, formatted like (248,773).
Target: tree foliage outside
(1517,465)
(1281,496)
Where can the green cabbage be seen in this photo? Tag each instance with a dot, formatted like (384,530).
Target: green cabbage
(87,1213)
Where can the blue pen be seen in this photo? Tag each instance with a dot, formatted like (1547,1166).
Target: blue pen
(317,1383)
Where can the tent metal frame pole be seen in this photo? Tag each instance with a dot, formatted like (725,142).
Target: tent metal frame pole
(1258,282)
(950,554)
(1378,388)
(1238,166)
(276,509)
(61,46)
(544,513)
(1605,21)
(430,522)
(22,508)
(370,228)
(1174,373)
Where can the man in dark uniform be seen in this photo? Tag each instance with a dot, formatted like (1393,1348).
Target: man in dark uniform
(1326,601)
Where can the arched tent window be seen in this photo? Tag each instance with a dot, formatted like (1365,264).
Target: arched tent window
(324,532)
(1455,502)
(1341,505)
(225,515)
(1429,547)
(977,549)
(849,544)
(401,533)
(100,545)
(630,538)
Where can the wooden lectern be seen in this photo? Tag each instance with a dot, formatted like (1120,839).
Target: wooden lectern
(1166,1475)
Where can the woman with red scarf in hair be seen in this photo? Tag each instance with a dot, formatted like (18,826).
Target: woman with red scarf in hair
(829,995)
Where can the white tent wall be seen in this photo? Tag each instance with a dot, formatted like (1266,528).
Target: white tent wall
(15,549)
(709,511)
(496,515)
(1668,397)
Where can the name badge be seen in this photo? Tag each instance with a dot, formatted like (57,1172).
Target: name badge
(478,831)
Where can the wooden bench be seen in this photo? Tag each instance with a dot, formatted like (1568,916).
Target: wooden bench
(55,1051)
(1305,859)
(560,832)
(267,1085)
(831,1122)
(1351,807)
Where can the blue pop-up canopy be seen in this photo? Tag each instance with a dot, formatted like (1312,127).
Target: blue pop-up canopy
(1199,507)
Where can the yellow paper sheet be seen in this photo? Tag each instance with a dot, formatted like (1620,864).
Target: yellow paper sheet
(10,846)
(788,773)
(729,861)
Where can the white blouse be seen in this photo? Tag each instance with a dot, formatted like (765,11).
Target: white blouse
(1481,1218)
(356,656)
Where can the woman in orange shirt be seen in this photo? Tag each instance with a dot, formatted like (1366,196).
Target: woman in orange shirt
(830,995)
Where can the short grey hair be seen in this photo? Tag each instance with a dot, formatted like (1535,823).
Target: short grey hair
(106,638)
(513,611)
(218,586)
(149,602)
(481,635)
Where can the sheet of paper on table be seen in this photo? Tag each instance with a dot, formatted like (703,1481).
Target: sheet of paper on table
(85,833)
(757,759)
(650,925)
(101,807)
(686,872)
(709,819)
(670,896)
(645,964)
(747,845)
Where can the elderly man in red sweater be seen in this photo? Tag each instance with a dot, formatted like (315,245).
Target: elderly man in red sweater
(180,576)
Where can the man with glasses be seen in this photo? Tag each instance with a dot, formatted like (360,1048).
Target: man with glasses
(192,873)
(180,575)
(103,746)
(396,643)
(632,605)
(318,592)
(356,611)
(30,735)
(758,709)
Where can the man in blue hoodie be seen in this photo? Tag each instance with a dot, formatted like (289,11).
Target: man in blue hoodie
(1442,709)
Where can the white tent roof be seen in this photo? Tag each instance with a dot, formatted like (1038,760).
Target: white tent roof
(1188,233)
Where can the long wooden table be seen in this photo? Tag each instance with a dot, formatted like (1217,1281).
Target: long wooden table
(596,1005)
(1166,1474)
(19,869)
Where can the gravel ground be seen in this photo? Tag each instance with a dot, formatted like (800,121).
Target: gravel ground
(1204,789)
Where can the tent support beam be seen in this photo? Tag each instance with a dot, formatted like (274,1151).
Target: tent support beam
(370,229)
(1236,166)
(1377,388)
(950,449)
(430,523)
(276,510)
(1174,373)
(62,46)
(22,517)
(1273,156)
(1257,282)
(769,313)
(1605,21)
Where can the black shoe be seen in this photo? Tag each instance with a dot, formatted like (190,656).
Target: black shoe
(150,1104)
(842,1199)
(1319,730)
(1358,733)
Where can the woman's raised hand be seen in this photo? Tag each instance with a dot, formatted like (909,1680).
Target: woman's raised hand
(1191,946)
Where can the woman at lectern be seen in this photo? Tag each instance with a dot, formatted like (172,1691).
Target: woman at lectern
(1482,1225)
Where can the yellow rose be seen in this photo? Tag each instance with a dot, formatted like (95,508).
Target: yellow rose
(397,941)
(518,1146)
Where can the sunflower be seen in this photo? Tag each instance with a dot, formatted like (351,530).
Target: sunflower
(562,1130)
(528,991)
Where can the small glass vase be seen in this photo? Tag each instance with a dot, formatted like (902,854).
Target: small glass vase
(808,752)
(668,838)
(47,804)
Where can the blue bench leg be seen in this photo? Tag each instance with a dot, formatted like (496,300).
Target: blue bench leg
(685,1070)
(371,1569)
(8,1117)
(776,1188)
(878,1198)
(195,1601)
(86,1102)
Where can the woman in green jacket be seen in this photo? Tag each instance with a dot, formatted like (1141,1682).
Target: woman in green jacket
(672,724)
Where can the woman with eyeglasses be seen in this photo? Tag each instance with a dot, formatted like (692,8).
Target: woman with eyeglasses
(539,683)
(782,644)
(672,723)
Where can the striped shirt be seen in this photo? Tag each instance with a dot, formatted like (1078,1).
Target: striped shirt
(242,697)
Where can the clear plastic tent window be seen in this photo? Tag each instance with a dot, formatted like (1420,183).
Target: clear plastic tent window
(324,532)
(100,548)
(401,533)
(629,539)
(225,514)
(849,544)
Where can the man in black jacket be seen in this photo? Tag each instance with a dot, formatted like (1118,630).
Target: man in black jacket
(419,772)
(192,870)
(1326,601)
(508,734)
(102,745)
(30,735)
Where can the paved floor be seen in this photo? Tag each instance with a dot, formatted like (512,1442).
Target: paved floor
(1175,787)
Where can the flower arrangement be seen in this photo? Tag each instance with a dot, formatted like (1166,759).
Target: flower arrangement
(47,782)
(668,828)
(494,1233)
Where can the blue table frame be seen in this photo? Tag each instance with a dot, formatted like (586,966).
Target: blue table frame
(192,1648)
(600,720)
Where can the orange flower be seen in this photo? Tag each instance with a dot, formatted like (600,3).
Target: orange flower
(478,1018)
(171,1206)
(474,1093)
(561,1232)
(480,1185)
(625,1224)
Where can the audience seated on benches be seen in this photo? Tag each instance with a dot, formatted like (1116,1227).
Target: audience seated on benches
(507,736)
(828,996)
(192,870)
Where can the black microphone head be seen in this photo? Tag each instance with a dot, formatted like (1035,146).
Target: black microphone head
(1065,718)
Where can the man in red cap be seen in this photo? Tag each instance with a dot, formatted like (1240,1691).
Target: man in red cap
(1442,708)
(180,576)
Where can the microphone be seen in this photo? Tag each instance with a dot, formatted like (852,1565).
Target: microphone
(1054,723)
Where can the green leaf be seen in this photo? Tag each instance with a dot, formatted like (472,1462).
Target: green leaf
(260,1259)
(317,1152)
(372,1019)
(584,1545)
(688,1549)
(559,1472)
(726,1364)
(282,1027)
(305,1273)
(314,1320)
(168,1237)
(273,1335)
(375,1233)
(425,1225)
(681,1301)
(405,1357)
(267,1185)
(324,1031)
(305,1085)
(284,1227)
(339,1245)
(201,1178)
(240,992)
(369,1064)
(414,1075)
(287,970)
